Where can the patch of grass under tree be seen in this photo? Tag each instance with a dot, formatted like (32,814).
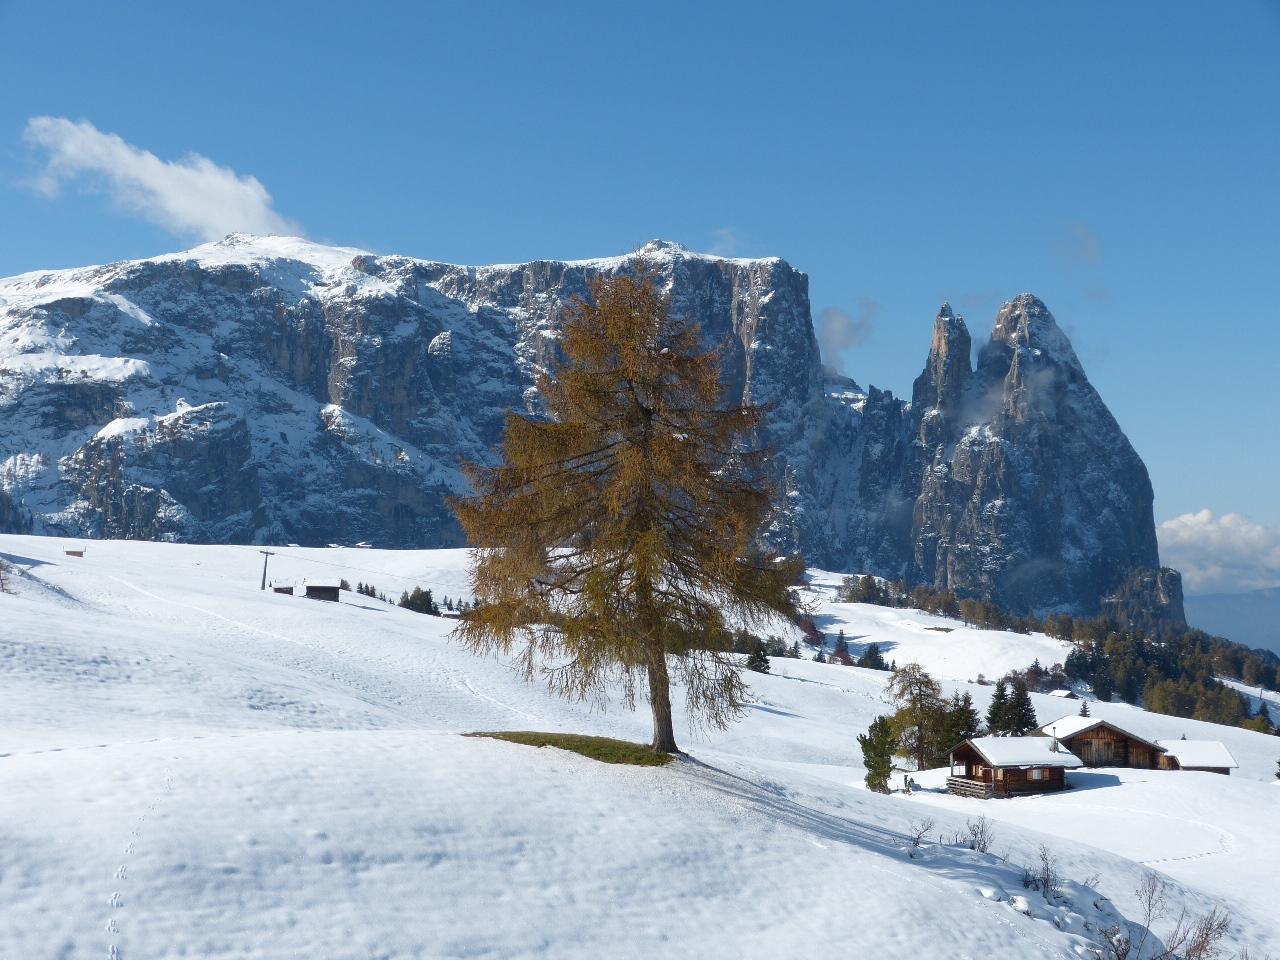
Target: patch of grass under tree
(604,749)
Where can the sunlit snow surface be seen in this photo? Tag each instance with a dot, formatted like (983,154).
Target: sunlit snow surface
(194,767)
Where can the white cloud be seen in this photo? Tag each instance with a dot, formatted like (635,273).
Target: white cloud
(1227,554)
(189,196)
(728,242)
(837,331)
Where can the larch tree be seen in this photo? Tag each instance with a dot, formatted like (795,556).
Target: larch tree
(618,537)
(918,719)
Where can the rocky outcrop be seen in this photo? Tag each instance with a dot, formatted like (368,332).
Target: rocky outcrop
(273,390)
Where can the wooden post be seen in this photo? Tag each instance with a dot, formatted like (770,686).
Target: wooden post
(266,555)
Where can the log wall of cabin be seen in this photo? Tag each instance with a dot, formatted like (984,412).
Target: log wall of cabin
(1103,747)
(1012,782)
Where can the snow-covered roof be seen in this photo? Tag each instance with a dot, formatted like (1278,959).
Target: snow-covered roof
(1023,752)
(1068,727)
(1071,725)
(1065,694)
(1199,753)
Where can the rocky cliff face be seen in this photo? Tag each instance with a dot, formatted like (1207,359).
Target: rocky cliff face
(274,390)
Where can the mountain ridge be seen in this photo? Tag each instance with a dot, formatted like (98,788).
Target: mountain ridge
(277,390)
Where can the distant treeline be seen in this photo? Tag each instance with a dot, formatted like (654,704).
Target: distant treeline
(1165,668)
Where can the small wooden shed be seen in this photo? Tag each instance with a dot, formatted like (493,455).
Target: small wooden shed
(1009,767)
(1099,743)
(1208,756)
(323,591)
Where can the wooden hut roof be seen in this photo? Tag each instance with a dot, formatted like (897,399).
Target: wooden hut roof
(1022,752)
(1199,753)
(1073,726)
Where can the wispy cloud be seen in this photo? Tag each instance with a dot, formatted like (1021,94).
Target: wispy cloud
(837,331)
(1226,554)
(727,242)
(191,196)
(1078,243)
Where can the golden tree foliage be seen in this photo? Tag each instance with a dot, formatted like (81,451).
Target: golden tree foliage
(620,534)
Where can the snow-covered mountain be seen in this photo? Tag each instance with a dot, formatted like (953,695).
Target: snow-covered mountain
(275,390)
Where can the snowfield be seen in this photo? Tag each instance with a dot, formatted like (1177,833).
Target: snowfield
(190,766)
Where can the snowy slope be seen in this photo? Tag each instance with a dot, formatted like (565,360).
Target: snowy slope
(192,766)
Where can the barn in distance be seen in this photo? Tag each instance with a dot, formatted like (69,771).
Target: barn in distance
(1101,744)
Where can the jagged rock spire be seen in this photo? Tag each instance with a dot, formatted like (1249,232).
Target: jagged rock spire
(947,370)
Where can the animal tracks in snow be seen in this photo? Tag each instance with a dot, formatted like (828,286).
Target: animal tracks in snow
(116,901)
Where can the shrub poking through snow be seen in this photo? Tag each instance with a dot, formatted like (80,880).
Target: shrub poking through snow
(1193,937)
(919,830)
(981,834)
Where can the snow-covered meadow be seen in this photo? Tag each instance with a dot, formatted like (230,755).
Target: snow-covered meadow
(190,766)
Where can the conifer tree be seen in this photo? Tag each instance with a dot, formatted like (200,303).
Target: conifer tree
(1084,708)
(997,721)
(758,661)
(960,722)
(1021,712)
(918,719)
(878,745)
(619,533)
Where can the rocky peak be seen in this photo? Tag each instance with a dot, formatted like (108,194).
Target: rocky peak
(327,395)
(946,373)
(1025,323)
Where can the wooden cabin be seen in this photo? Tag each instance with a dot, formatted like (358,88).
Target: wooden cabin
(1208,756)
(327,592)
(1099,743)
(1009,767)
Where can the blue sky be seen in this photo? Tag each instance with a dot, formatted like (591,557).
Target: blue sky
(1120,161)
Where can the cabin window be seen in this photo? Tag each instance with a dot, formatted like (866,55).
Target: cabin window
(1038,774)
(999,774)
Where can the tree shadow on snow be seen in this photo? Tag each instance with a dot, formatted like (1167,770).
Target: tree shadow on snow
(1001,879)
(18,561)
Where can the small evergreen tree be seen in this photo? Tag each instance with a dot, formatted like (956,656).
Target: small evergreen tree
(819,657)
(997,720)
(1084,708)
(758,660)
(960,721)
(841,645)
(872,659)
(878,745)
(1021,712)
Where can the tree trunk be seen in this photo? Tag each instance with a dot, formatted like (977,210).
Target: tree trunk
(664,737)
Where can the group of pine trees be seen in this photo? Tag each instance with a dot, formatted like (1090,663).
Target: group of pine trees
(1011,714)
(924,726)
(417,600)
(871,659)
